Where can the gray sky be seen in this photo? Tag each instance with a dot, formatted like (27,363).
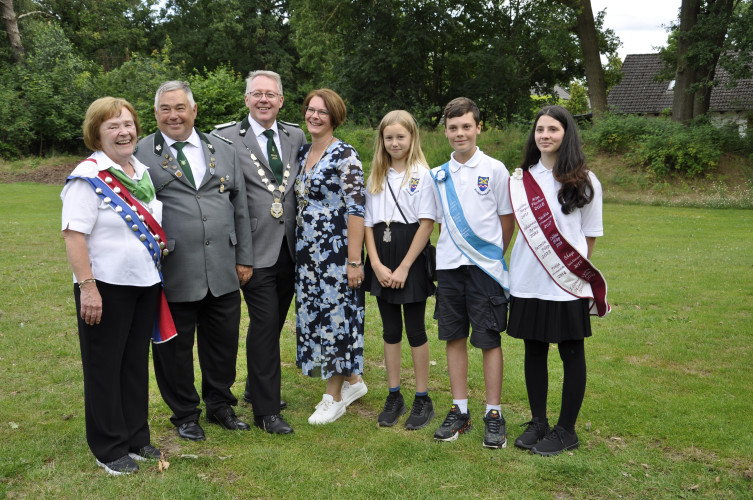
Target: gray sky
(638,23)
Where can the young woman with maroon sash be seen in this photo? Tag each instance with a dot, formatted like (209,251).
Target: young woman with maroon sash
(554,288)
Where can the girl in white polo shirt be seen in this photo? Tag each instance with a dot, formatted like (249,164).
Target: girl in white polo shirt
(399,219)
(541,311)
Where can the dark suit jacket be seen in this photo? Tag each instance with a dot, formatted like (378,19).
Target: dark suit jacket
(208,230)
(268,231)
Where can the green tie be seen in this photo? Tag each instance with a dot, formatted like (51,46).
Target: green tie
(275,163)
(184,162)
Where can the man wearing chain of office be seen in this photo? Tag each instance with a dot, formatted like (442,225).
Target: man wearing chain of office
(267,151)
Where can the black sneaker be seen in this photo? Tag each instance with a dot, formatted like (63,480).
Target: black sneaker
(494,432)
(122,466)
(557,441)
(420,414)
(393,408)
(454,424)
(535,431)
(148,452)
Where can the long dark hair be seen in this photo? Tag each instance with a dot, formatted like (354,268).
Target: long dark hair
(570,168)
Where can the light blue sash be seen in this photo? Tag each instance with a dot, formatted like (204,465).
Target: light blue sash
(486,255)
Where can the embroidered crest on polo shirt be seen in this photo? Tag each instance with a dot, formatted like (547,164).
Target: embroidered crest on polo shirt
(482,186)
(413,185)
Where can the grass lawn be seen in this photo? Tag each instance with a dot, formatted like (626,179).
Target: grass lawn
(667,412)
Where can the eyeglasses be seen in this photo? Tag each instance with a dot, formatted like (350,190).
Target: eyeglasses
(314,111)
(271,96)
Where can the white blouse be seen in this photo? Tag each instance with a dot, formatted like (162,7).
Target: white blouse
(116,254)
(416,199)
(528,279)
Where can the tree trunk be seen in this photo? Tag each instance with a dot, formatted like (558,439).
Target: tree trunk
(720,12)
(685,76)
(11,27)
(589,46)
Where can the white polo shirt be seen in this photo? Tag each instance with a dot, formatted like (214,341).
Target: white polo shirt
(483,189)
(116,254)
(528,279)
(416,199)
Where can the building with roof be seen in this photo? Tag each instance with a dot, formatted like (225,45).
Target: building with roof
(640,92)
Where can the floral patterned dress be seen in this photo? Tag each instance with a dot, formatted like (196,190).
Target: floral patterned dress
(330,315)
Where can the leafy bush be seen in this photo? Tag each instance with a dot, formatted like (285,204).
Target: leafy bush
(219,96)
(138,79)
(16,134)
(661,145)
(57,87)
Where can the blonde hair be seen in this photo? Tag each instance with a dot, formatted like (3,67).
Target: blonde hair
(99,112)
(382,161)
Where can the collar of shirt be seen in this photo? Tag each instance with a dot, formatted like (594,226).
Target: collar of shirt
(259,130)
(539,168)
(473,162)
(104,162)
(193,140)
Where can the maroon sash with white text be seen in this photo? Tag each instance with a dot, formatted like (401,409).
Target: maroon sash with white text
(570,270)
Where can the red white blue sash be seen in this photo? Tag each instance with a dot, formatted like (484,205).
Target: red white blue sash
(146,228)
(486,255)
(570,270)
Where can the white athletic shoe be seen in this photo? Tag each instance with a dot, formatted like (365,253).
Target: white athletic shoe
(352,392)
(327,411)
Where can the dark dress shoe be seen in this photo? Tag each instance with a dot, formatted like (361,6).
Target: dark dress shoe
(227,419)
(273,424)
(247,399)
(191,431)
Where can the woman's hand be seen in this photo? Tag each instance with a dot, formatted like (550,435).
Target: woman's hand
(383,274)
(355,276)
(91,304)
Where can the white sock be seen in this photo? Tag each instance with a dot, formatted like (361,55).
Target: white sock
(462,404)
(494,407)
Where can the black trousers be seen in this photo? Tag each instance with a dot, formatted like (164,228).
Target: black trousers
(216,321)
(268,295)
(115,359)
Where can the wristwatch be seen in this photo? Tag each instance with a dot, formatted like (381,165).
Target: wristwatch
(355,264)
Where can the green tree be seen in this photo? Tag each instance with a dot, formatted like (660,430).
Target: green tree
(104,31)
(709,32)
(578,102)
(243,35)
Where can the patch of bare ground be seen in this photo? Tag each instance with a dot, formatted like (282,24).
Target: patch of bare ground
(53,173)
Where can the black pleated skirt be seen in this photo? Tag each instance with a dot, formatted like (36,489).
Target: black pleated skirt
(418,286)
(548,321)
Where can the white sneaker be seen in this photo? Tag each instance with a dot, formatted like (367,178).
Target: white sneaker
(327,411)
(352,392)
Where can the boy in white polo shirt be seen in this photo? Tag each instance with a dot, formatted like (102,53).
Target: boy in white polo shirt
(476,226)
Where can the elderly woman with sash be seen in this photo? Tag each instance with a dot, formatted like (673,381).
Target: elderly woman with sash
(111,226)
(554,287)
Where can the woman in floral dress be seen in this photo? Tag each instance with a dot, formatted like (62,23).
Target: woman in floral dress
(329,271)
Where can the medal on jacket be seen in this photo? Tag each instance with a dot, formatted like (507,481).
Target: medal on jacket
(276,209)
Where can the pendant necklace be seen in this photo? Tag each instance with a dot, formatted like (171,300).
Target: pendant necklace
(302,188)
(387,236)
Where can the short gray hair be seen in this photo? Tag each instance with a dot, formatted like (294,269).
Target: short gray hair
(269,74)
(174,85)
